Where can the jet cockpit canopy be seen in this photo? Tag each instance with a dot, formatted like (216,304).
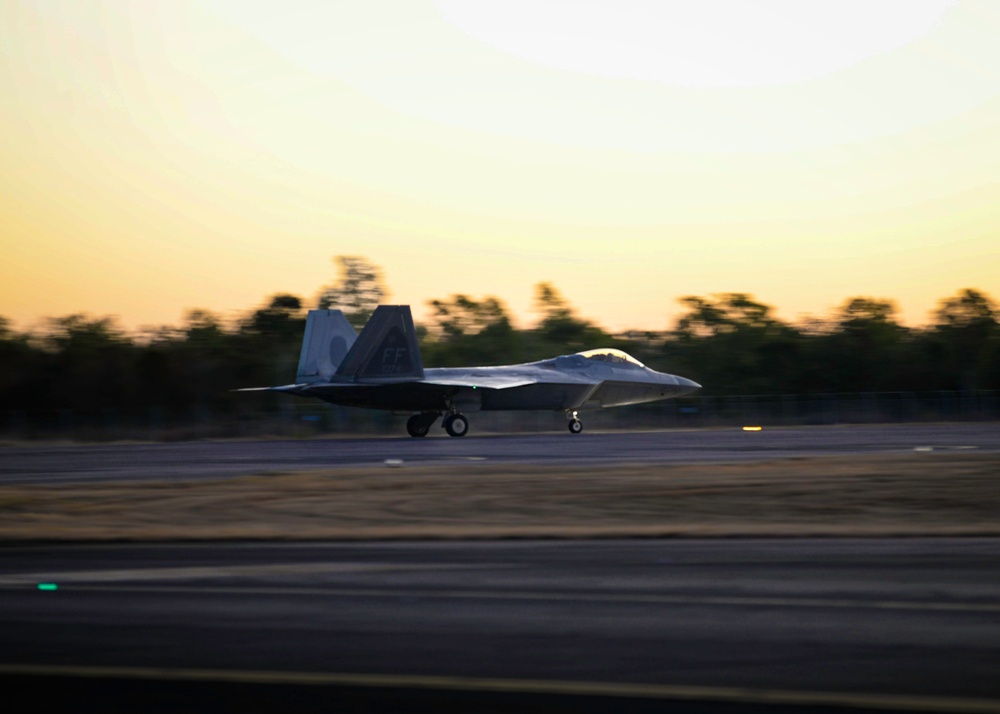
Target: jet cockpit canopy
(610,354)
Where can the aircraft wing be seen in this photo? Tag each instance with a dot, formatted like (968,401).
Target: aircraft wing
(285,388)
(486,381)
(491,381)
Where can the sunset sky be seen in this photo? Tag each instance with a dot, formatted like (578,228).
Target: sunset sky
(158,156)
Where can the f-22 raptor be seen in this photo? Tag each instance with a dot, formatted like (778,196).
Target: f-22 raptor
(382,369)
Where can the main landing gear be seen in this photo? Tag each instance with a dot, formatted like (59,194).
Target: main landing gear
(575,425)
(456,424)
(419,424)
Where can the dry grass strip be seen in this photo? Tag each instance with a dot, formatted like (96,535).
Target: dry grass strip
(898,495)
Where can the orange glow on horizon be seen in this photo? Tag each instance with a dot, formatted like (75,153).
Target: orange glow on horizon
(163,156)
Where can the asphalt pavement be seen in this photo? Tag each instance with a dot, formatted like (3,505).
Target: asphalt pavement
(701,625)
(55,463)
(712,626)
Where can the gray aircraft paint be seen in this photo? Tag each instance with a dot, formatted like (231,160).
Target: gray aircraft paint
(328,338)
(382,369)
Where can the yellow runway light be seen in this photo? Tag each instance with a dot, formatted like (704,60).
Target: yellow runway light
(753,428)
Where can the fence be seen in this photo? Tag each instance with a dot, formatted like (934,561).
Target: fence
(304,419)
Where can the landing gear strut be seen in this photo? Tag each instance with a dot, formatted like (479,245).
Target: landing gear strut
(456,424)
(575,425)
(419,424)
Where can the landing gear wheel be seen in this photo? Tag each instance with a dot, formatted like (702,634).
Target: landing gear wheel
(456,425)
(419,424)
(575,426)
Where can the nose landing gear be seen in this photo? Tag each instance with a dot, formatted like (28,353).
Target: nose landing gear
(575,425)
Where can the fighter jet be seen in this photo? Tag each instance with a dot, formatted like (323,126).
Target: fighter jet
(382,369)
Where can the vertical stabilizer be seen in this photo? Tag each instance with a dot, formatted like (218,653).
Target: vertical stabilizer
(386,349)
(328,339)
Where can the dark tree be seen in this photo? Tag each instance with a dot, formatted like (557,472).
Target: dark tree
(24,368)
(281,319)
(966,338)
(358,291)
(734,344)
(560,330)
(466,331)
(92,366)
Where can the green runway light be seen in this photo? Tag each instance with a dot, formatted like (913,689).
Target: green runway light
(47,586)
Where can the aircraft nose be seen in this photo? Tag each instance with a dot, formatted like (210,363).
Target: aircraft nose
(687,386)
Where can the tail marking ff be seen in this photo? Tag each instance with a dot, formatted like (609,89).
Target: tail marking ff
(386,349)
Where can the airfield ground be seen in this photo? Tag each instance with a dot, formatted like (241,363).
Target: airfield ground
(940,494)
(246,575)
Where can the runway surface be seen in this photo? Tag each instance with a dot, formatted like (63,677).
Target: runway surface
(58,463)
(727,625)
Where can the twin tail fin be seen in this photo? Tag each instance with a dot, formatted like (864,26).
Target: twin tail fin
(386,349)
(327,340)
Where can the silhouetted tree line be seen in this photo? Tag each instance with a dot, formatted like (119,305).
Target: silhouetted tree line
(730,343)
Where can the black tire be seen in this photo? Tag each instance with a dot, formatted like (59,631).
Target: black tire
(456,425)
(418,425)
(575,426)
